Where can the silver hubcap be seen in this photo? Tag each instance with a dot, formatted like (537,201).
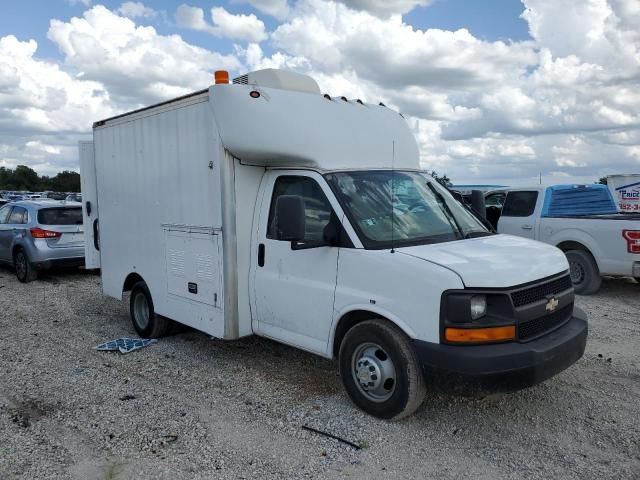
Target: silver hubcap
(374,372)
(141,311)
(577,272)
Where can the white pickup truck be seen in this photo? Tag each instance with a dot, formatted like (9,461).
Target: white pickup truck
(581,220)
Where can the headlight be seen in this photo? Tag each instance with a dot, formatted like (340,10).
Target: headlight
(478,306)
(468,317)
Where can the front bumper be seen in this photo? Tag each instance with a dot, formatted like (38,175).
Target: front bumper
(506,366)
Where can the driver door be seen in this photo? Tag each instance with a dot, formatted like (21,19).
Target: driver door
(294,282)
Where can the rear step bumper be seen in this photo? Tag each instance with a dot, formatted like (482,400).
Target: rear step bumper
(503,367)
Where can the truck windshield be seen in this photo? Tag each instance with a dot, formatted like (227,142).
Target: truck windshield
(394,209)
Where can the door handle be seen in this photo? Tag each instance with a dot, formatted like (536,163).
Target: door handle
(261,255)
(96,235)
(527,227)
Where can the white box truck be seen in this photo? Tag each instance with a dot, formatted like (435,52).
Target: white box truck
(264,207)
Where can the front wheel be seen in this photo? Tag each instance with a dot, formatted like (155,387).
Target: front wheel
(584,272)
(144,318)
(24,270)
(380,371)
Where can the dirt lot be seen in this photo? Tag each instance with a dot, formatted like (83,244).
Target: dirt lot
(193,407)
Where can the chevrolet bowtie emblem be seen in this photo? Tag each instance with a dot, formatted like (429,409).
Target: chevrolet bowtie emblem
(552,304)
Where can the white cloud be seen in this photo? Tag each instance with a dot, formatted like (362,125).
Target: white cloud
(136,10)
(393,54)
(276,8)
(86,3)
(238,27)
(565,103)
(135,63)
(385,7)
(43,109)
(37,96)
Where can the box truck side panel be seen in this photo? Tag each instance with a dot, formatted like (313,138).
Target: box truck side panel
(160,217)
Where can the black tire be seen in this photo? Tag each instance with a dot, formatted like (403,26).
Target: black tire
(377,339)
(143,316)
(585,275)
(25,271)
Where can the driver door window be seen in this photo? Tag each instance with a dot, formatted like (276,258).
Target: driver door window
(317,208)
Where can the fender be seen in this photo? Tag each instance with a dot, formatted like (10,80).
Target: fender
(16,242)
(376,311)
(578,236)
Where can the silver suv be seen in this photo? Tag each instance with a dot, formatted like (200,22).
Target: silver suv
(35,235)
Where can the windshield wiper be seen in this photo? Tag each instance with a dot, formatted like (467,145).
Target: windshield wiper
(447,211)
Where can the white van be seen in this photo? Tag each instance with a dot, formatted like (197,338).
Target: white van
(264,207)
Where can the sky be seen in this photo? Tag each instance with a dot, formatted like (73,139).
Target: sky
(495,91)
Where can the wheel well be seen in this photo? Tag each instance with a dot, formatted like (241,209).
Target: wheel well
(15,250)
(348,321)
(569,245)
(130,281)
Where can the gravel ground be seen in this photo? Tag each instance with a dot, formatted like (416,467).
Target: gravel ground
(193,407)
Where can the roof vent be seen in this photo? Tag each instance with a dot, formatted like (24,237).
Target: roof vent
(280,79)
(241,80)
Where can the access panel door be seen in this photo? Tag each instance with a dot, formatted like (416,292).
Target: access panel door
(294,283)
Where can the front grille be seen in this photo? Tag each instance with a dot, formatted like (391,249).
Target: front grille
(540,292)
(536,327)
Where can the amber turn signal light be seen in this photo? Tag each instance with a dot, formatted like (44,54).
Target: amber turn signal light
(480,335)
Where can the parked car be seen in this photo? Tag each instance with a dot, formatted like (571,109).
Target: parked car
(74,197)
(35,235)
(581,220)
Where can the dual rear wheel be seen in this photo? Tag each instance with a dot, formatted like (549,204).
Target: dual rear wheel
(146,322)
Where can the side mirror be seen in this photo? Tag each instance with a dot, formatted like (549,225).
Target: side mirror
(289,218)
(478,204)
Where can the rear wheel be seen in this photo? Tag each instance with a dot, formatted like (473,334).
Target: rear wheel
(144,318)
(24,270)
(585,275)
(380,371)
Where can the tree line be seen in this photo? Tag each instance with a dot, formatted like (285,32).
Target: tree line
(23,178)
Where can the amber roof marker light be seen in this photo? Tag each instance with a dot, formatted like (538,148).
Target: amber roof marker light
(221,77)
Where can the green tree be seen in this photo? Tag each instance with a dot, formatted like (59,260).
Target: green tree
(26,177)
(602,180)
(65,181)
